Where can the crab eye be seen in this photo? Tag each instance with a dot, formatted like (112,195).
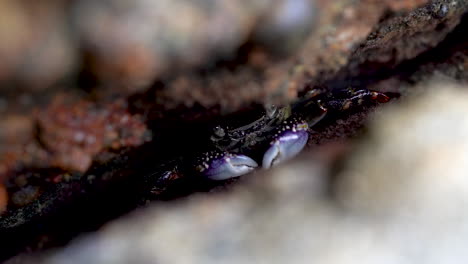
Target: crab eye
(287,143)
(224,165)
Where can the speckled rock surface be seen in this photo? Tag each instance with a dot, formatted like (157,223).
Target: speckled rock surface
(350,39)
(96,95)
(401,197)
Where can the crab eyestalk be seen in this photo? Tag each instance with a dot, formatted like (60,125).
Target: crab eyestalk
(218,166)
(289,140)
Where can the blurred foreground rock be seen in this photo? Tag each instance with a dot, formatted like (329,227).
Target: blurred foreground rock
(400,197)
(209,51)
(129,45)
(36,46)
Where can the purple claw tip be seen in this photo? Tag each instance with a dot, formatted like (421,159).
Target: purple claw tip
(223,165)
(286,144)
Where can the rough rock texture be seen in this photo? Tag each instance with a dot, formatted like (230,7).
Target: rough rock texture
(69,135)
(401,38)
(344,31)
(400,197)
(92,50)
(73,134)
(349,41)
(82,90)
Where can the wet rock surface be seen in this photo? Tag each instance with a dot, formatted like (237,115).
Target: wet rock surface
(398,197)
(100,97)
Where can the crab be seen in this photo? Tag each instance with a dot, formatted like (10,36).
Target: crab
(280,133)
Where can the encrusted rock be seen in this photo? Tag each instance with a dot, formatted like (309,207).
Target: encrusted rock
(208,58)
(401,197)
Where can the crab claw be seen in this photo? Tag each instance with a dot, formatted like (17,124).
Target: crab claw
(287,143)
(223,165)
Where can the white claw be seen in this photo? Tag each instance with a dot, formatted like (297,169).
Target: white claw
(284,148)
(228,166)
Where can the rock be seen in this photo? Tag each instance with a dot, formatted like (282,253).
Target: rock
(3,198)
(400,197)
(132,44)
(409,176)
(210,58)
(348,37)
(414,161)
(36,47)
